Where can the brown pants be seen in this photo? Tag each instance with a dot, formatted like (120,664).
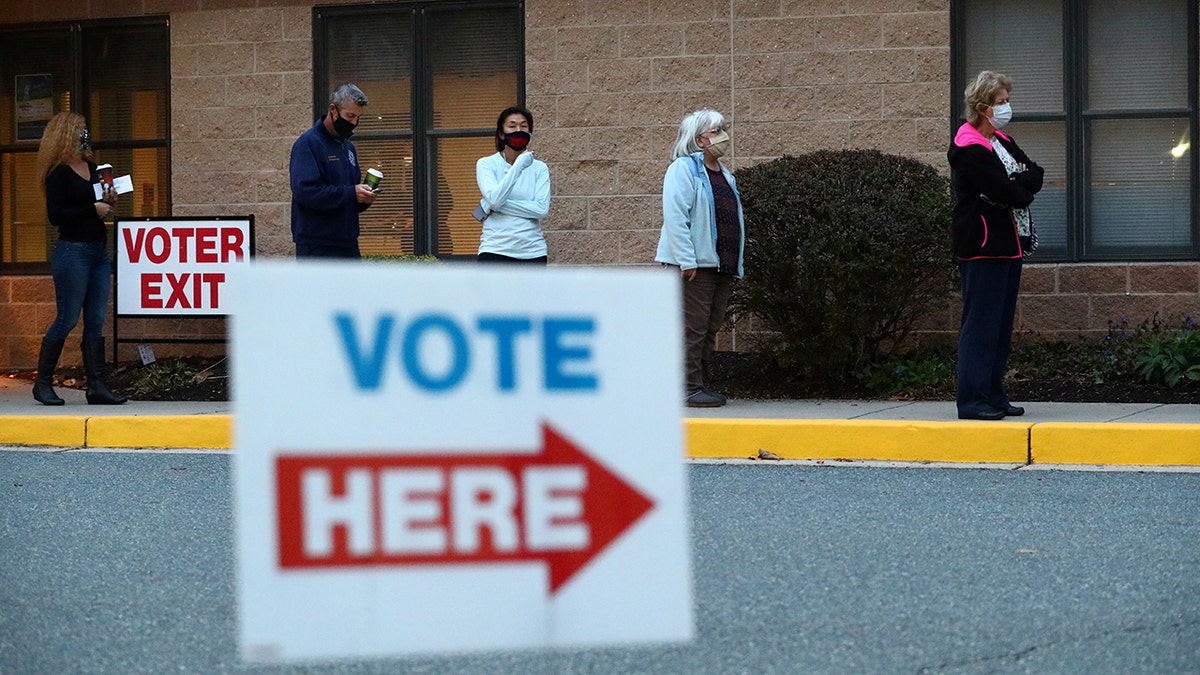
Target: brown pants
(705,299)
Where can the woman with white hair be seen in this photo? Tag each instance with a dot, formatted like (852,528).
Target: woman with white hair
(703,236)
(994,184)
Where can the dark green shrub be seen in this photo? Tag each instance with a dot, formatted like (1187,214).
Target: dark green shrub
(845,250)
(1171,357)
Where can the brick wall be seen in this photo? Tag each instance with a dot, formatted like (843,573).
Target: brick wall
(608,81)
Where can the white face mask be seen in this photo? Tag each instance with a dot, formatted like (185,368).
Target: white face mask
(718,145)
(1001,115)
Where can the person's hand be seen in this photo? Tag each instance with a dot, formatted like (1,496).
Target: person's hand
(103,209)
(364,194)
(109,195)
(524,159)
(688,275)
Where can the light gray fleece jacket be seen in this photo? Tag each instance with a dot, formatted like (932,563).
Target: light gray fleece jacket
(689,229)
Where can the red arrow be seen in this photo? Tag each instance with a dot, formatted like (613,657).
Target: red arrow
(389,510)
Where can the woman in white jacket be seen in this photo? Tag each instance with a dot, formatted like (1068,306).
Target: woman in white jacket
(516,194)
(703,235)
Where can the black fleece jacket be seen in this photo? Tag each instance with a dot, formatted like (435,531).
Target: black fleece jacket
(984,193)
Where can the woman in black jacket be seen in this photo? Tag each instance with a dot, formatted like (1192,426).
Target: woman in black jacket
(994,184)
(81,267)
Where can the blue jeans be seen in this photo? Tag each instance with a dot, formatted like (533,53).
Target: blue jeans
(82,281)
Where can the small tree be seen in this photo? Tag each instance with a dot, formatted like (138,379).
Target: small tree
(845,250)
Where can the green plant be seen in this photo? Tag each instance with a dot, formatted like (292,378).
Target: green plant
(845,250)
(920,374)
(390,258)
(159,377)
(1171,359)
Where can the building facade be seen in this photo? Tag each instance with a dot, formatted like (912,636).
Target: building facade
(200,101)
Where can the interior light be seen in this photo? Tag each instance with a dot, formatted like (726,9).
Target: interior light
(1180,150)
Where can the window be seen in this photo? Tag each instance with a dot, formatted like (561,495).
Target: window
(1105,100)
(436,76)
(118,76)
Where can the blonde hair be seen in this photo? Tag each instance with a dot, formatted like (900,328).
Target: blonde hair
(60,143)
(692,126)
(982,93)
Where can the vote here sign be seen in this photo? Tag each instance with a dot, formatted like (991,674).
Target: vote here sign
(448,457)
(179,266)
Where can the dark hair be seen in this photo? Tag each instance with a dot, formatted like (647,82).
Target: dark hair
(508,112)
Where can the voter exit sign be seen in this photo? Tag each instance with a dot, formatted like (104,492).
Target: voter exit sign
(451,457)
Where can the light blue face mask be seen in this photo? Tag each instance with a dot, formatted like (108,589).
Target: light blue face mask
(1001,115)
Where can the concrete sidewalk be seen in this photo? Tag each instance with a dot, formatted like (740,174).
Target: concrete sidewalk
(918,431)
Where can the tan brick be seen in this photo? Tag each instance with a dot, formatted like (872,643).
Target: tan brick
(270,186)
(850,102)
(644,177)
(707,38)
(281,121)
(555,13)
(625,213)
(607,13)
(189,92)
(560,145)
(779,105)
(691,73)
(759,71)
(803,8)
(197,28)
(651,40)
(226,58)
(32,289)
(756,9)
(591,42)
(932,65)
(619,110)
(682,11)
(541,44)
(923,29)
(1039,279)
(587,177)
(848,32)
(1176,309)
(185,61)
(556,77)
(251,90)
(880,66)
(567,213)
(758,139)
(923,99)
(582,248)
(1052,312)
(613,75)
(1165,278)
(297,88)
(19,318)
(1093,278)
(637,247)
(228,4)
(633,143)
(283,55)
(1114,309)
(775,35)
(814,68)
(254,25)
(815,135)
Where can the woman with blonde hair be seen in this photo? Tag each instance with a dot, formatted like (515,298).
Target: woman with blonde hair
(994,184)
(703,236)
(81,267)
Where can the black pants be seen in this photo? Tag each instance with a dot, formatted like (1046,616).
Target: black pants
(989,289)
(497,258)
(327,251)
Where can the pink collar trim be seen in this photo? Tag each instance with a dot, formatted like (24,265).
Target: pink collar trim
(969,135)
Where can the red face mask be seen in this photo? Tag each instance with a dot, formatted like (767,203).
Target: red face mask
(517,140)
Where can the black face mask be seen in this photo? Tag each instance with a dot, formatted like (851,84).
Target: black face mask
(85,141)
(517,140)
(342,126)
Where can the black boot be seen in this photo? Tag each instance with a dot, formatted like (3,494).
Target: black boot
(98,392)
(43,386)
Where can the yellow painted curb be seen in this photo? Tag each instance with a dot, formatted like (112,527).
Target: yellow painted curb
(56,430)
(161,431)
(905,441)
(1115,443)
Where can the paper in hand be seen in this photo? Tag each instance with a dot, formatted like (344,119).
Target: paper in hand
(122,184)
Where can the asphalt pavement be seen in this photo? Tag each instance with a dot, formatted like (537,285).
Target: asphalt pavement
(124,563)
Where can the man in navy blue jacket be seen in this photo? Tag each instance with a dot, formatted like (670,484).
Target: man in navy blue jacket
(327,188)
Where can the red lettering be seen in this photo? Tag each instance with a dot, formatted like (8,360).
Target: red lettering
(151,287)
(214,281)
(232,241)
(134,246)
(206,244)
(182,234)
(164,240)
(178,291)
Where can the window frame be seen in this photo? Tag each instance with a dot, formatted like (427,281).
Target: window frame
(81,103)
(423,135)
(1077,120)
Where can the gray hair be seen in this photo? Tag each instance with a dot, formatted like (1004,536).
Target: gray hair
(982,92)
(346,94)
(694,125)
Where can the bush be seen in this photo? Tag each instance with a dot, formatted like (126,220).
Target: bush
(845,250)
(1171,357)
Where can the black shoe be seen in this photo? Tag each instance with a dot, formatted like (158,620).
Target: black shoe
(987,414)
(1014,411)
(719,396)
(703,399)
(43,386)
(98,392)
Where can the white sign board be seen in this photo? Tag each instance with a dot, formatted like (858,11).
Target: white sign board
(179,266)
(441,458)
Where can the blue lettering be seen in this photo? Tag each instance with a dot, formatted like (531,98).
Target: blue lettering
(367,368)
(557,355)
(459,362)
(505,329)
